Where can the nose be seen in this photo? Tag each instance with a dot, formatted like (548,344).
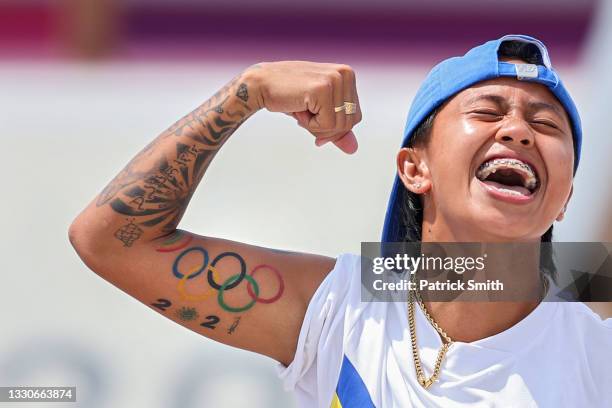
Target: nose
(515,131)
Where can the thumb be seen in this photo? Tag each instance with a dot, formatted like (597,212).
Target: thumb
(347,143)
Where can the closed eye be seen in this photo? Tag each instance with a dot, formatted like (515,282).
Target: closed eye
(486,112)
(486,115)
(546,123)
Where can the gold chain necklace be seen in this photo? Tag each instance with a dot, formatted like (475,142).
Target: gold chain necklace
(447,341)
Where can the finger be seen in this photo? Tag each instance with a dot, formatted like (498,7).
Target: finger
(322,138)
(339,98)
(328,95)
(345,140)
(347,143)
(303,118)
(350,92)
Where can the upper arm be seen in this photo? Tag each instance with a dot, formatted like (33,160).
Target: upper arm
(245,296)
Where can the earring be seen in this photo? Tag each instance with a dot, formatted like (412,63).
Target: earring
(417,185)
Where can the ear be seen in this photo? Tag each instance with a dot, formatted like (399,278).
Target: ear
(562,213)
(413,171)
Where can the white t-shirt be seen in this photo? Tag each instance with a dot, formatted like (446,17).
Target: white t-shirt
(358,354)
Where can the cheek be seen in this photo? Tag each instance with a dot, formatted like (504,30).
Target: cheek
(459,142)
(452,155)
(558,158)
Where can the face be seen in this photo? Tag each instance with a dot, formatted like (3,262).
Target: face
(498,164)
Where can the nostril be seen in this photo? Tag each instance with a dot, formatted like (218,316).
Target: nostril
(525,142)
(506,138)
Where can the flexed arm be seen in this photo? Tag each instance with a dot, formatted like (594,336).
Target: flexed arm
(128,234)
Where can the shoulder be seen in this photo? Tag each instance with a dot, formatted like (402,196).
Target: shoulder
(583,323)
(584,314)
(322,335)
(340,286)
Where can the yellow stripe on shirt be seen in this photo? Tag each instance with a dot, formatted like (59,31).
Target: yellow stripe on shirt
(335,402)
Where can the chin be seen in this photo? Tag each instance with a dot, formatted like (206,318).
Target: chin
(495,225)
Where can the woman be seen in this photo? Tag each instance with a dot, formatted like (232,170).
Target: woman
(502,107)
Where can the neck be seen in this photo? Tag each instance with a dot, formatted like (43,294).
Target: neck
(468,321)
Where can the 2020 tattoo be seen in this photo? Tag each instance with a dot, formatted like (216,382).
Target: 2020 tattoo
(155,187)
(187,313)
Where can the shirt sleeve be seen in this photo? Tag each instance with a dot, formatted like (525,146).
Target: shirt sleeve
(316,365)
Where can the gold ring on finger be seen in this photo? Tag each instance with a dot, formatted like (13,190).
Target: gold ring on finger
(350,108)
(339,108)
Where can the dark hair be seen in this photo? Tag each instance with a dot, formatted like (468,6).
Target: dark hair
(412,206)
(527,52)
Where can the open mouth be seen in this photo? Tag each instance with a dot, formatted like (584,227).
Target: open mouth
(509,176)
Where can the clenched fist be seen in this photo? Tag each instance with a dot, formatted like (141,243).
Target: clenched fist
(309,92)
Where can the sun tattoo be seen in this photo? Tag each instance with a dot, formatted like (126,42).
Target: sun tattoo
(187,313)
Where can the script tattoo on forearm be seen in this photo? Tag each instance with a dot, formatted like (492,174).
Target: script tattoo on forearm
(154,188)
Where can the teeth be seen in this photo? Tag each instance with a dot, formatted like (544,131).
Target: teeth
(530,180)
(516,193)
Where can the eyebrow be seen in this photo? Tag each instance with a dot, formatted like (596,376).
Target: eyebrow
(536,106)
(499,100)
(488,97)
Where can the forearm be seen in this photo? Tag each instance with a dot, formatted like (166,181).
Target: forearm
(148,198)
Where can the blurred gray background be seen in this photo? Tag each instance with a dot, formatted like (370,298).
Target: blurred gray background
(84,85)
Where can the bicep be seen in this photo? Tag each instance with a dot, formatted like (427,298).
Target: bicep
(242,295)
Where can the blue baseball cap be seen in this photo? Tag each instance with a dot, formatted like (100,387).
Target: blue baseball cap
(458,73)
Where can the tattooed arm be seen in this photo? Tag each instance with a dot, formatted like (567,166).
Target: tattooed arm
(239,294)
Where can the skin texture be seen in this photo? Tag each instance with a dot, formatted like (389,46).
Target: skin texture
(242,295)
(501,116)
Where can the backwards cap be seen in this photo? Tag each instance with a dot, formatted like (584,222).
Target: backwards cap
(454,75)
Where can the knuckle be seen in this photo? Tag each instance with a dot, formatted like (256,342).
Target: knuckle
(336,77)
(344,69)
(358,117)
(324,85)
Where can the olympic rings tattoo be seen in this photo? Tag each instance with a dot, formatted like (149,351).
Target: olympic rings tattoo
(241,275)
(185,252)
(281,285)
(213,277)
(230,281)
(189,296)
